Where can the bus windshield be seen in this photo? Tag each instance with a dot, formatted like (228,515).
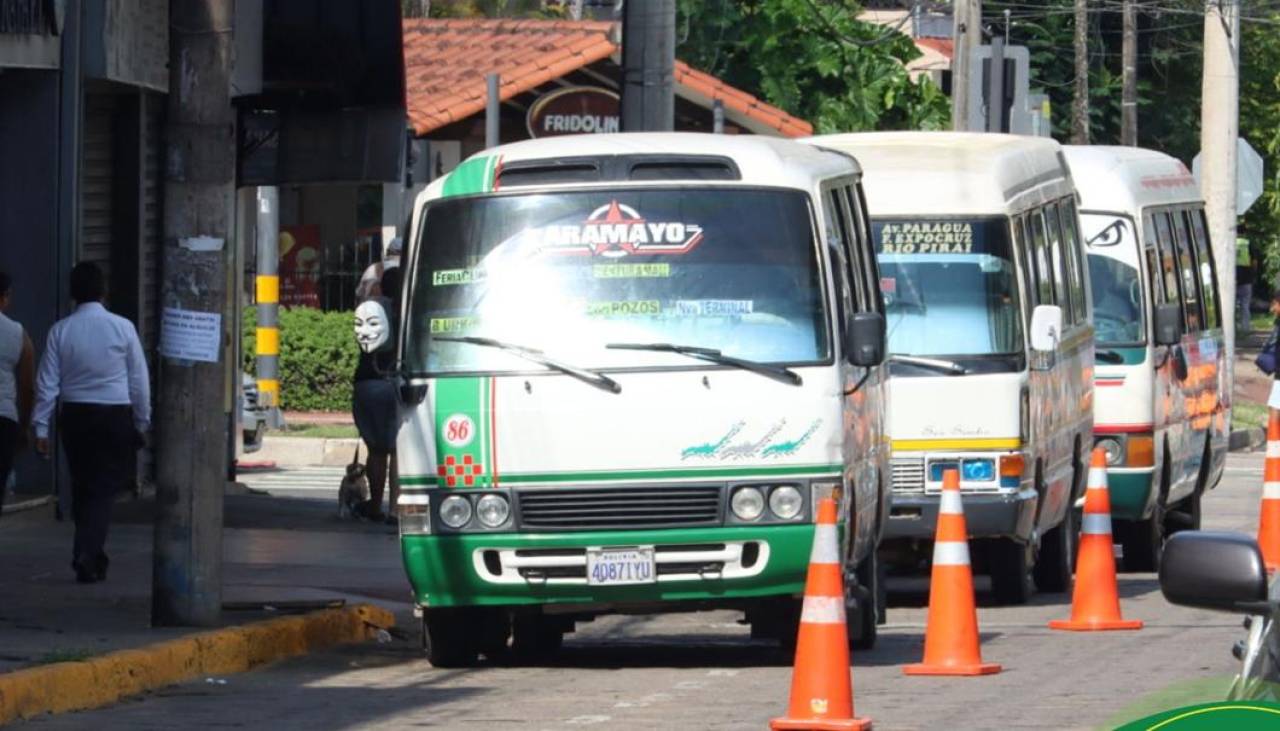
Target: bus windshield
(569,272)
(950,286)
(1113,275)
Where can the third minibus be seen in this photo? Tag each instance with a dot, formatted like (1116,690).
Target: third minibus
(1162,402)
(990,342)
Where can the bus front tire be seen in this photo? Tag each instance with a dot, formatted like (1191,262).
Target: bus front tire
(1010,567)
(869,604)
(534,637)
(448,638)
(1053,570)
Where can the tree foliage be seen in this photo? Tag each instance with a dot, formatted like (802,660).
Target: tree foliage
(813,59)
(1170,63)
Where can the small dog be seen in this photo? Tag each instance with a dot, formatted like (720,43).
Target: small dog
(353,492)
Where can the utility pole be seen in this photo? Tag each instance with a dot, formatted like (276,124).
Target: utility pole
(1129,78)
(1080,102)
(967,31)
(648,66)
(186,581)
(1219,129)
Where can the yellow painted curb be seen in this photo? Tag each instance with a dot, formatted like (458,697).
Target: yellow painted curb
(103,680)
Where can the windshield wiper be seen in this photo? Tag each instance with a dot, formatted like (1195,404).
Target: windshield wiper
(778,373)
(1108,356)
(599,380)
(950,367)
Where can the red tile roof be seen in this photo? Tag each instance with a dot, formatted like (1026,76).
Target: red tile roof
(944,46)
(446,62)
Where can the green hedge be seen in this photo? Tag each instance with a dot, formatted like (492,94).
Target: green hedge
(318,356)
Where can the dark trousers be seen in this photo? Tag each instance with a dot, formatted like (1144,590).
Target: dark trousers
(9,433)
(101,454)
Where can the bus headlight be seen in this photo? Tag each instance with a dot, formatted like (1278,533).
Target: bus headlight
(415,520)
(978,470)
(493,510)
(747,503)
(1113,449)
(455,511)
(785,502)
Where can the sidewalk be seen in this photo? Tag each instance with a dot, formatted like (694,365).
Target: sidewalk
(277,551)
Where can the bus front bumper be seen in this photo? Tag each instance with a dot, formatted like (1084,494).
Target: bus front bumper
(1132,496)
(505,569)
(987,515)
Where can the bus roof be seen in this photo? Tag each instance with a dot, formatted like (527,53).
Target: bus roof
(767,161)
(1128,179)
(909,173)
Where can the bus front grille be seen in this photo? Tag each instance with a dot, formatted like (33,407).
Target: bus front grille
(625,508)
(908,474)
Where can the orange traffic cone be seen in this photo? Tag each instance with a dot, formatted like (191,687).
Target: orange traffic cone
(951,637)
(821,690)
(1095,602)
(1269,520)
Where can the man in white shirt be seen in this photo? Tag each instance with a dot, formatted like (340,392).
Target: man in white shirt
(93,364)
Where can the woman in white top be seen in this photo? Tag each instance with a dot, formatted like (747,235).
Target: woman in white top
(17,386)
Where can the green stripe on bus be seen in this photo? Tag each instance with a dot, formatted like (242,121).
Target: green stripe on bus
(471,177)
(462,432)
(706,473)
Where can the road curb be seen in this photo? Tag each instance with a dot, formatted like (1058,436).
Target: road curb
(103,680)
(17,506)
(1246,440)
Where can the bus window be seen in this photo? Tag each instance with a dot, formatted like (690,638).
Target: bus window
(1075,262)
(857,272)
(1059,266)
(1172,291)
(871,265)
(1153,276)
(1043,272)
(1188,271)
(837,244)
(1023,254)
(1208,271)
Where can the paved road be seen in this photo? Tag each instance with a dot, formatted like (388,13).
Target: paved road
(700,671)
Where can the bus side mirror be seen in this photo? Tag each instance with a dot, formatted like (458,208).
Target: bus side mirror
(1046,333)
(1046,328)
(865,341)
(1168,324)
(1220,571)
(410,394)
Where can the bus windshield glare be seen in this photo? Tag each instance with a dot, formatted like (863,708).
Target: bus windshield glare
(950,286)
(569,272)
(1113,274)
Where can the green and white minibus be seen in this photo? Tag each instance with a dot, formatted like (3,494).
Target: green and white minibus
(1162,404)
(630,365)
(990,345)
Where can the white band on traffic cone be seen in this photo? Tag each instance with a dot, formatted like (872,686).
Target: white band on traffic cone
(1096,524)
(951,553)
(950,504)
(1273,449)
(823,610)
(825,545)
(1271,491)
(1097,479)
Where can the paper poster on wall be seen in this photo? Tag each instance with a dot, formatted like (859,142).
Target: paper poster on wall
(191,335)
(300,266)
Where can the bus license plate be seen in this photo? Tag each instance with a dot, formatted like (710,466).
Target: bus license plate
(616,566)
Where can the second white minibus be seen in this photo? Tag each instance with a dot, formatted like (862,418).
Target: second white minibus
(991,347)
